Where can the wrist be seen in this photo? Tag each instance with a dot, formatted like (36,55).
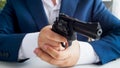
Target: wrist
(87,54)
(31,41)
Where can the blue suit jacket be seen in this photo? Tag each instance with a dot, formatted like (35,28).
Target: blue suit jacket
(20,17)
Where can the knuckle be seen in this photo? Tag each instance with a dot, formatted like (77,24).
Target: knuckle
(55,62)
(57,56)
(50,35)
(52,61)
(62,64)
(41,56)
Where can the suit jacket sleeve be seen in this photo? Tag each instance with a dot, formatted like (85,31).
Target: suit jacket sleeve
(108,47)
(10,37)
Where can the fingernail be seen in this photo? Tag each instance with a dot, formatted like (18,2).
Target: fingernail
(36,51)
(45,47)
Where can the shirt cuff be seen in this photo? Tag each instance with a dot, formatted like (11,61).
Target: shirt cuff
(29,43)
(87,54)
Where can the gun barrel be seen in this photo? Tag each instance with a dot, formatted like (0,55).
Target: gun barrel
(90,30)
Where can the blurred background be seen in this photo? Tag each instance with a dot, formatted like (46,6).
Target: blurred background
(2,3)
(112,5)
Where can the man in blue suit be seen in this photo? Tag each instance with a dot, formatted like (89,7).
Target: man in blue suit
(22,29)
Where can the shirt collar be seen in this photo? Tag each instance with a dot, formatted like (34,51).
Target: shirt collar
(50,4)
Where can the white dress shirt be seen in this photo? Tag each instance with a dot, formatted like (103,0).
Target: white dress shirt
(30,41)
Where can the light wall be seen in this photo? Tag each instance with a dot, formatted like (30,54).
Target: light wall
(116,8)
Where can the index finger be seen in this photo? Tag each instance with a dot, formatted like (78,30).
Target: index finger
(56,37)
(59,55)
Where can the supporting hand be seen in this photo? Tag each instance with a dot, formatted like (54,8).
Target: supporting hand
(63,58)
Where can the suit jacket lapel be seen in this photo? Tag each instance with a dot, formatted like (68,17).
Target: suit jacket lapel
(38,13)
(68,7)
(36,9)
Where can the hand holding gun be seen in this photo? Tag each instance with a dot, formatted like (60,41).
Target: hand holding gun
(68,26)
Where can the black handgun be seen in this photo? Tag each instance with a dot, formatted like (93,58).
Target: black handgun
(68,26)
